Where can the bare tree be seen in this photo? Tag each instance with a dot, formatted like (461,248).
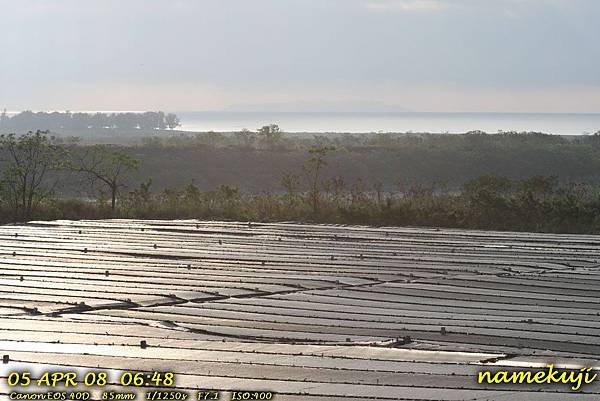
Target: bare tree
(312,169)
(109,165)
(28,160)
(291,183)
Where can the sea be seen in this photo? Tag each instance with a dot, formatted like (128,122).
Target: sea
(374,122)
(327,122)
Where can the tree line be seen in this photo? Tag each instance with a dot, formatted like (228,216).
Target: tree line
(33,164)
(255,160)
(58,121)
(272,137)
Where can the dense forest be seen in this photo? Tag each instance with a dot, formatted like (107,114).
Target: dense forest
(509,181)
(255,161)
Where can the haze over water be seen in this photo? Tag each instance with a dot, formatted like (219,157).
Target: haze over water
(551,123)
(374,122)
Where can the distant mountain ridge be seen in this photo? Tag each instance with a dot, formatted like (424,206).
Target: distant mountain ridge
(315,107)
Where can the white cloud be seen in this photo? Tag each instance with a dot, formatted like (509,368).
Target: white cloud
(406,5)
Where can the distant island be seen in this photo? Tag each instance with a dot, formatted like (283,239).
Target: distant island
(347,106)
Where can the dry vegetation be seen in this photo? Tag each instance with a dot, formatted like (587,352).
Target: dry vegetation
(46,178)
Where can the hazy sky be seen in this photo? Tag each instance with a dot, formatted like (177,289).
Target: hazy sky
(422,55)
